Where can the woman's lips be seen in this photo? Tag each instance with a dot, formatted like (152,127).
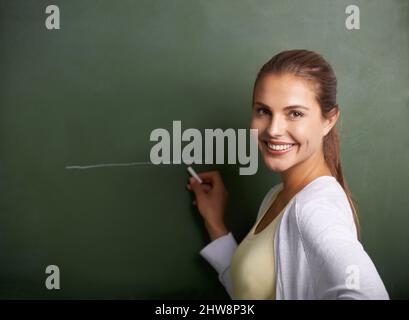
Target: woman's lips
(277,152)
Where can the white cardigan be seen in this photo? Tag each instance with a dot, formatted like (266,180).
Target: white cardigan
(318,254)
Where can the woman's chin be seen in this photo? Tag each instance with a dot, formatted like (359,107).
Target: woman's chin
(274,165)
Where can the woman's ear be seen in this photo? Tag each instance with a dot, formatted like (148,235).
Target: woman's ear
(331,120)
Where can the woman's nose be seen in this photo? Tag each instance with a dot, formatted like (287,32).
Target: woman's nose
(276,126)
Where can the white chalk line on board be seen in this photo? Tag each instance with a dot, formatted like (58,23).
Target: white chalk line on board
(109,165)
(102,165)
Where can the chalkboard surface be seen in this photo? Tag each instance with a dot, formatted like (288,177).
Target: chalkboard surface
(91,92)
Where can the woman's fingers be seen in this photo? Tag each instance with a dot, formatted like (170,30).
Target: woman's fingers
(210,176)
(205,187)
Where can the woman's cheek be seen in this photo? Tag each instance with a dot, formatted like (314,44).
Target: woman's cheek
(299,135)
(307,137)
(257,125)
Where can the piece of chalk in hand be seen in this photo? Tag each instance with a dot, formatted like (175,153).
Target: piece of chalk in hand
(194,174)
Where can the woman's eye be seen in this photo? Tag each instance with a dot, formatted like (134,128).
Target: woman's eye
(262,111)
(296,114)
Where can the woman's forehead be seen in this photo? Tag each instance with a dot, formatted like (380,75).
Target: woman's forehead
(282,90)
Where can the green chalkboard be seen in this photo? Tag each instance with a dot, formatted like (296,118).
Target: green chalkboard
(91,92)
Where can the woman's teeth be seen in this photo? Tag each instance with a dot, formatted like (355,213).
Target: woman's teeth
(279,146)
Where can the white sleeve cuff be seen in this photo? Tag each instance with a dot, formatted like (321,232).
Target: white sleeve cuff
(219,252)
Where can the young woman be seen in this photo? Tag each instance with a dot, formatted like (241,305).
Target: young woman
(305,241)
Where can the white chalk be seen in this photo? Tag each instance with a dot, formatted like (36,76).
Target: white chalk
(194,174)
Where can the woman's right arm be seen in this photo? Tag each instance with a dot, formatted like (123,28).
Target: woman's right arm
(211,200)
(219,254)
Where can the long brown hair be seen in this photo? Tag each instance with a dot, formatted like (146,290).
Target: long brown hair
(311,66)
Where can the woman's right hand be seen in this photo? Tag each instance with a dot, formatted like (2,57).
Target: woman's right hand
(211,201)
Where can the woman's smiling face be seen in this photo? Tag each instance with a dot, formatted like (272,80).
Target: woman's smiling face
(285,111)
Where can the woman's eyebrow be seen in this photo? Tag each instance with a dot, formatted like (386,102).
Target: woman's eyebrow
(295,106)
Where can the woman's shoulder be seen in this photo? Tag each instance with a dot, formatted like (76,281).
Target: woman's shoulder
(321,205)
(324,189)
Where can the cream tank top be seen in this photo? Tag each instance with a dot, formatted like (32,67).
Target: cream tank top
(252,269)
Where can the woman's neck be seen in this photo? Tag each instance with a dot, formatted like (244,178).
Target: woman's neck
(297,177)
